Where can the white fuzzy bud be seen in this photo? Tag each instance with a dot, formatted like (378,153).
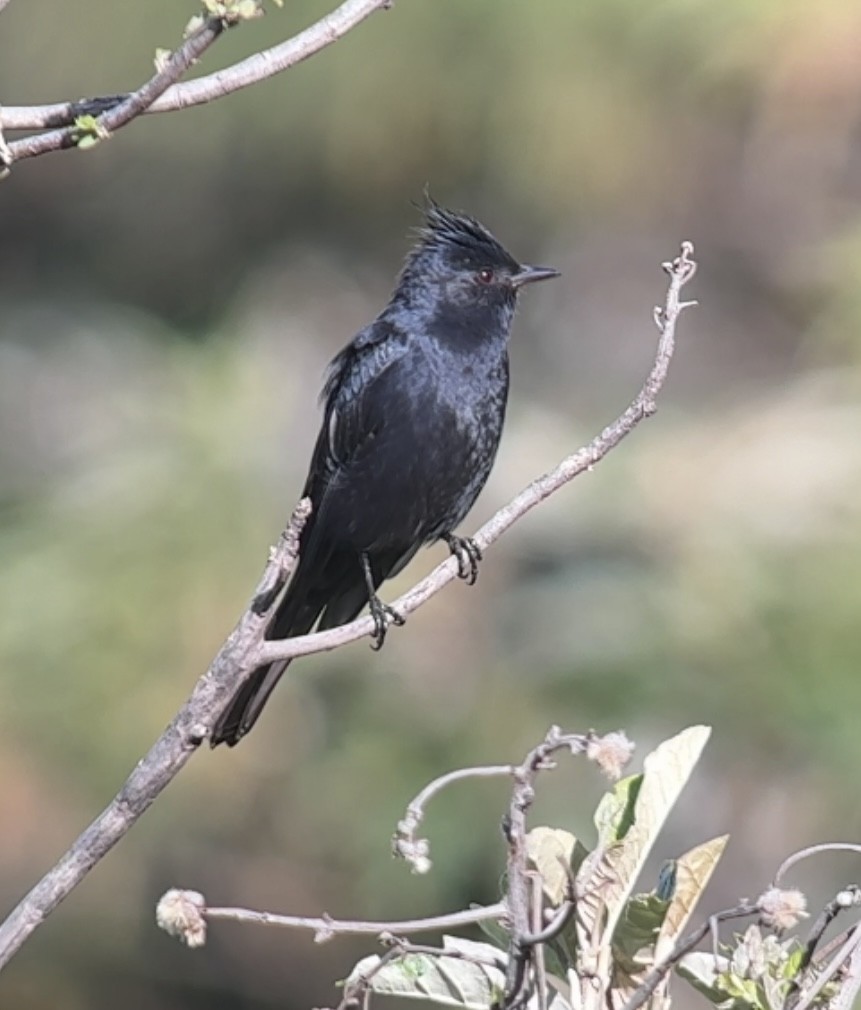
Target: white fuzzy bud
(782,909)
(611,753)
(180,913)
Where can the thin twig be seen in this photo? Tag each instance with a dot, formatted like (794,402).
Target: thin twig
(849,950)
(520,952)
(811,850)
(847,897)
(559,921)
(416,851)
(205,89)
(164,761)
(536,882)
(850,983)
(130,107)
(681,271)
(324,927)
(243,651)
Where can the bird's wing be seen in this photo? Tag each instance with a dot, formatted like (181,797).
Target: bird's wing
(351,413)
(326,584)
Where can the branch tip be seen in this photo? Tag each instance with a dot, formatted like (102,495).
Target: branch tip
(181,914)
(610,752)
(415,851)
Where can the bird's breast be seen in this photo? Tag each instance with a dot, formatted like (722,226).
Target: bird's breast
(438,424)
(456,435)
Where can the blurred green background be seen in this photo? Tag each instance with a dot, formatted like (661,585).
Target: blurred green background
(169,302)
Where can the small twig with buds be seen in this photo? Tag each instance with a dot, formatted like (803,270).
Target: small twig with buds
(610,752)
(523,974)
(65,124)
(185,915)
(416,851)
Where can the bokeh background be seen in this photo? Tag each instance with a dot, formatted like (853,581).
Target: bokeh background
(169,302)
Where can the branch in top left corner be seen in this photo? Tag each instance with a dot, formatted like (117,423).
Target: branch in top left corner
(165,92)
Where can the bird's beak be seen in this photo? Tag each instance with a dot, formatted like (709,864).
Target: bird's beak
(529,275)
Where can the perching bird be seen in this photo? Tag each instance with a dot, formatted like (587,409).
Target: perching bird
(413,413)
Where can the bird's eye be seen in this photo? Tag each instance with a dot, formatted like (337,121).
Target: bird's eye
(485,275)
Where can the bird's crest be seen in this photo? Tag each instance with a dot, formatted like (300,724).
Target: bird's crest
(446,228)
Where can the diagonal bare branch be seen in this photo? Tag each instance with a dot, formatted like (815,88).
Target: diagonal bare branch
(681,270)
(168,755)
(245,649)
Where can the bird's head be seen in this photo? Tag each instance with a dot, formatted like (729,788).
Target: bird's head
(458,266)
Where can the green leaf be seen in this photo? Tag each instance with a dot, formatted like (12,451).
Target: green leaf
(246,10)
(550,851)
(195,23)
(793,962)
(161,58)
(755,977)
(615,813)
(496,933)
(88,131)
(639,925)
(692,874)
(449,981)
(634,945)
(744,992)
(606,883)
(703,971)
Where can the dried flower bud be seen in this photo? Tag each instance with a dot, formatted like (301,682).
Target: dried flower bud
(180,913)
(610,752)
(416,851)
(782,909)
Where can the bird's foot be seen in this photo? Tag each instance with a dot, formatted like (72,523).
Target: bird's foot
(468,555)
(383,616)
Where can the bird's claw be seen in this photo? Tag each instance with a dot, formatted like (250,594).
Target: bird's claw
(383,616)
(468,555)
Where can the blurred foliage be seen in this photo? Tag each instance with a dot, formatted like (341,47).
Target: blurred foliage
(169,301)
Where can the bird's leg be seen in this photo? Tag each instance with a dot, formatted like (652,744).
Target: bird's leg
(468,555)
(382,613)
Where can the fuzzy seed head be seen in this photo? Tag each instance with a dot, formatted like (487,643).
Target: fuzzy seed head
(611,753)
(180,913)
(782,909)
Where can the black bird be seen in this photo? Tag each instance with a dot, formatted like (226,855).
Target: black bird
(413,413)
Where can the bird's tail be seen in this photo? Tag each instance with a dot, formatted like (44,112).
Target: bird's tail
(337,591)
(247,705)
(292,618)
